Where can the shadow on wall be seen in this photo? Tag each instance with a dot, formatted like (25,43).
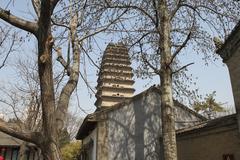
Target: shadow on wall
(134,130)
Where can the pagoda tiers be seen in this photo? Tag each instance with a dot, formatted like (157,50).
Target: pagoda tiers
(115,82)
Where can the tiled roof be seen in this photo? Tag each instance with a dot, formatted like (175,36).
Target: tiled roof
(210,124)
(6,140)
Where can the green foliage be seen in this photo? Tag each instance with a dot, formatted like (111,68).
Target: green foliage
(209,107)
(70,151)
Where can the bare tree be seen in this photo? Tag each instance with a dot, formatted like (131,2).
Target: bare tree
(80,20)
(22,103)
(161,30)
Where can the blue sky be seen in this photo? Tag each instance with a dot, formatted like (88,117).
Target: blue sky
(214,77)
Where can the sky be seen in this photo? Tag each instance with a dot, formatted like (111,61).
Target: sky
(214,77)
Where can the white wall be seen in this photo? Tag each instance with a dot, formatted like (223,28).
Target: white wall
(134,130)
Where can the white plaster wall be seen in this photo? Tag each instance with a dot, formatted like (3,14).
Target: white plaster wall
(134,131)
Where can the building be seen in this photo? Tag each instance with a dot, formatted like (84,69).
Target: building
(125,127)
(115,82)
(10,146)
(218,138)
(131,128)
(230,53)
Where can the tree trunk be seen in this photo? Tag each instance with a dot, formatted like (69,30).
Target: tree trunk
(49,146)
(47,140)
(168,118)
(22,152)
(50,151)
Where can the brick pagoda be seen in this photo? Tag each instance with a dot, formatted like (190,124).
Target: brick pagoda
(115,82)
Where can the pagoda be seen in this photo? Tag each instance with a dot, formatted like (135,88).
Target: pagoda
(115,82)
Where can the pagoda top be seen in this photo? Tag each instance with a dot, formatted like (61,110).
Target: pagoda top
(115,76)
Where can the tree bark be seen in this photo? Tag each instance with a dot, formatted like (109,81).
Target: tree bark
(168,112)
(49,145)
(22,152)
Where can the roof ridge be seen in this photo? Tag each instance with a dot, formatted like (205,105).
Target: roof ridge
(203,124)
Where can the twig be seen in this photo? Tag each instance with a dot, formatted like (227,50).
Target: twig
(78,103)
(85,81)
(147,62)
(9,51)
(90,58)
(58,24)
(183,67)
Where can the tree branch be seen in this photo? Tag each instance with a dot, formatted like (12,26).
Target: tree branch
(86,82)
(58,24)
(89,57)
(8,53)
(140,39)
(68,89)
(104,28)
(132,7)
(61,60)
(156,13)
(147,62)
(183,44)
(18,22)
(54,3)
(176,9)
(183,67)
(4,35)
(31,137)
(36,6)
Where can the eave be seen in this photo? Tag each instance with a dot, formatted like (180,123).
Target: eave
(86,128)
(231,43)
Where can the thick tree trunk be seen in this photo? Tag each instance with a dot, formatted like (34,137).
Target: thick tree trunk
(50,151)
(47,140)
(168,111)
(168,119)
(49,145)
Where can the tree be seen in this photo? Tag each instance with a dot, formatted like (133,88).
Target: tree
(160,30)
(80,20)
(23,100)
(51,116)
(209,107)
